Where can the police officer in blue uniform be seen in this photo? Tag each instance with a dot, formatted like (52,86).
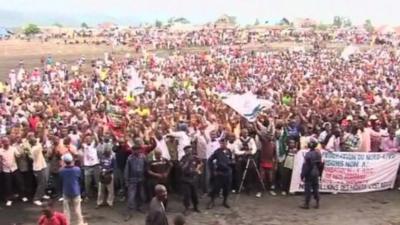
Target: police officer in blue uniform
(310,173)
(191,167)
(220,163)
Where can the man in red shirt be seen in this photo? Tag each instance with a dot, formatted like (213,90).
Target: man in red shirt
(51,217)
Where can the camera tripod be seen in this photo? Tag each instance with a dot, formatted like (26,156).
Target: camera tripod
(251,160)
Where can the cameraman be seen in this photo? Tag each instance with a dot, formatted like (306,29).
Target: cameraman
(245,147)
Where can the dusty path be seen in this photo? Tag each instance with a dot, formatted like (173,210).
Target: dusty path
(379,208)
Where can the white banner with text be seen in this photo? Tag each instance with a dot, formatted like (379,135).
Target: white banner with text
(351,172)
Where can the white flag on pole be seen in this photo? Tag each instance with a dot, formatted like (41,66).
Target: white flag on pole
(348,51)
(135,83)
(247,105)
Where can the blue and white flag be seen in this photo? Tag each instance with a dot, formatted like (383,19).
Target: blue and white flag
(247,105)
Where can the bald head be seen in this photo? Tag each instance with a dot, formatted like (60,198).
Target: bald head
(179,220)
(160,188)
(161,192)
(157,154)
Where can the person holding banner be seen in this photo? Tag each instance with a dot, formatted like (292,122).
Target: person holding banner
(310,173)
(286,170)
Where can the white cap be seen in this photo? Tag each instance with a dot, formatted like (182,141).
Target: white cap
(67,158)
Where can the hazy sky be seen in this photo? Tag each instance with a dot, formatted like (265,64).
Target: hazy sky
(200,11)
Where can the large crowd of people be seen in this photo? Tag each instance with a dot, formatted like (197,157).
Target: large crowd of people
(178,132)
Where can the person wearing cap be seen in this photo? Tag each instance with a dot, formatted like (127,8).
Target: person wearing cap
(191,168)
(70,177)
(310,173)
(220,163)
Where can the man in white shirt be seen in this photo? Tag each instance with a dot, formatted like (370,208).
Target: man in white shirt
(212,144)
(13,79)
(183,139)
(39,170)
(162,145)
(201,149)
(91,164)
(8,166)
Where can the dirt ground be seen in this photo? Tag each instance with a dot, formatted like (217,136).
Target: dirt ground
(379,208)
(12,51)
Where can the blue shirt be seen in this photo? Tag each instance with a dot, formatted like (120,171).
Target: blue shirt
(134,169)
(70,180)
(107,163)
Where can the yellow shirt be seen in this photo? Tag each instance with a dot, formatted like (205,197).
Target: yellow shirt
(130,98)
(143,112)
(2,88)
(103,74)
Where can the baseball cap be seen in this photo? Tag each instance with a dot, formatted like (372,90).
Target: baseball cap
(67,158)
